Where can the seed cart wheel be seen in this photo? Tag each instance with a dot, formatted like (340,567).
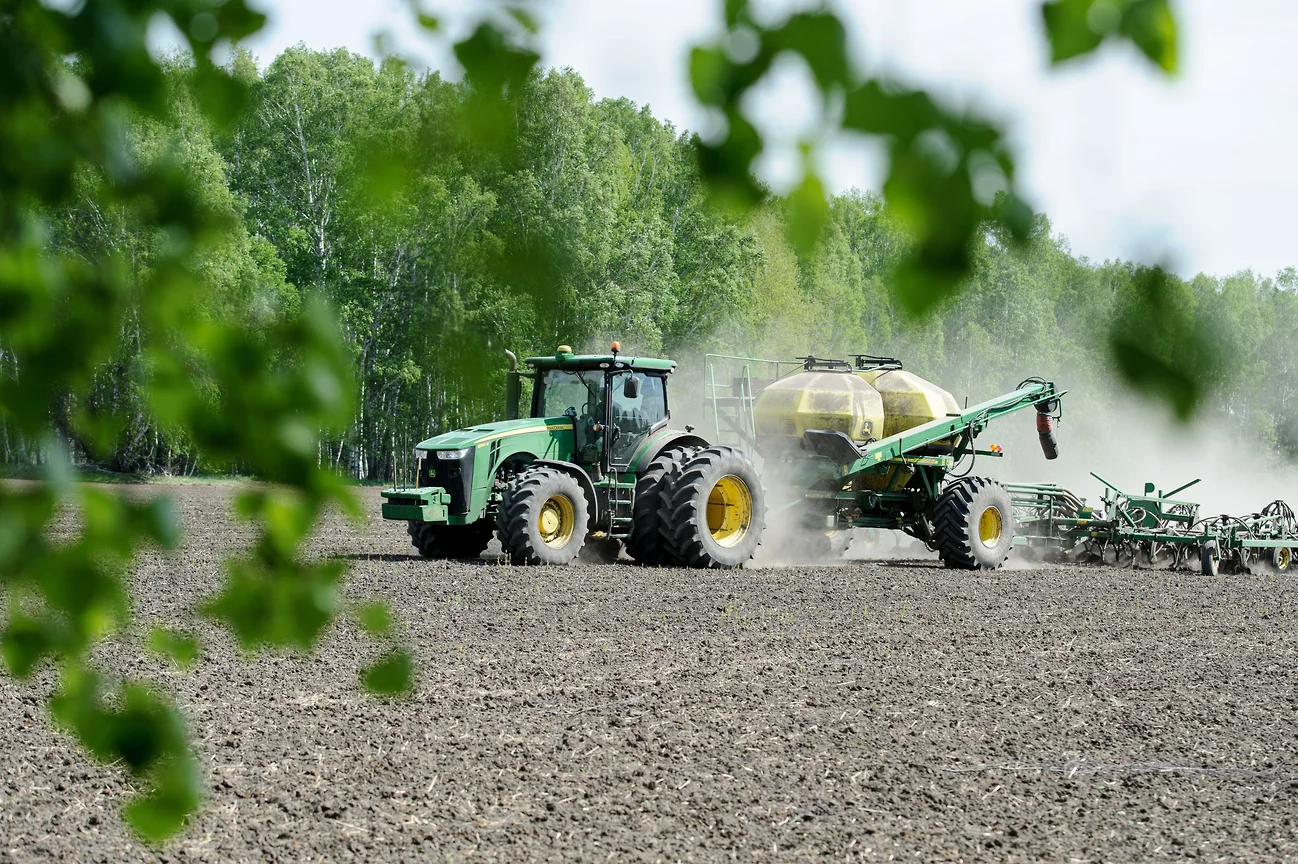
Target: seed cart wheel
(714,510)
(646,543)
(973,524)
(1208,560)
(449,541)
(1281,558)
(543,517)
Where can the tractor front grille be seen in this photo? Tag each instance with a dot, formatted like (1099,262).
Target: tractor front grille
(453,475)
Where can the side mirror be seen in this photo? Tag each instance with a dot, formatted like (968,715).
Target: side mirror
(631,389)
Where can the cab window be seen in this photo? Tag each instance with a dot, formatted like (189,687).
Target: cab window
(633,418)
(561,389)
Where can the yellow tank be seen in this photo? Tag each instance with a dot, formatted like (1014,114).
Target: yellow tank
(908,400)
(833,401)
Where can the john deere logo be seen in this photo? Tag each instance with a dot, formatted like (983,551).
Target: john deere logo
(432,472)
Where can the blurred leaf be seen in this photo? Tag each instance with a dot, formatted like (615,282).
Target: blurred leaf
(392,674)
(1077,27)
(1152,27)
(25,641)
(284,606)
(144,733)
(181,647)
(808,213)
(818,37)
(163,810)
(493,62)
(709,71)
(1160,346)
(525,20)
(1156,376)
(375,618)
(1068,30)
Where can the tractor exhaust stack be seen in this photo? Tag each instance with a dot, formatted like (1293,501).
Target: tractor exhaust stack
(513,387)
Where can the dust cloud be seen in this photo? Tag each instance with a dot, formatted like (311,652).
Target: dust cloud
(1136,442)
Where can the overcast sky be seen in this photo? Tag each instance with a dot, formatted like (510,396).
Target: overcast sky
(1197,172)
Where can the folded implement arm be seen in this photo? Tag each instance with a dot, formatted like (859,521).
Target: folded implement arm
(961,428)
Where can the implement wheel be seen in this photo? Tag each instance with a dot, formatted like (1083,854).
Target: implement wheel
(542,519)
(973,524)
(646,543)
(713,512)
(436,541)
(1208,560)
(1281,558)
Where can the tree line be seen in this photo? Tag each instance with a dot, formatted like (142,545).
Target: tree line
(357,182)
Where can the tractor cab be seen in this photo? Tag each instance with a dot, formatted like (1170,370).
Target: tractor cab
(614,402)
(592,456)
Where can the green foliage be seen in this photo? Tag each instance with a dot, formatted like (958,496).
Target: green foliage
(1153,328)
(182,648)
(949,174)
(140,325)
(944,168)
(140,730)
(391,674)
(375,618)
(1078,27)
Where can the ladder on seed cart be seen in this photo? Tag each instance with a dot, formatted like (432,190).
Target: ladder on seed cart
(731,392)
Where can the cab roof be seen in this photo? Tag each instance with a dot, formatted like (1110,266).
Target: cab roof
(568,360)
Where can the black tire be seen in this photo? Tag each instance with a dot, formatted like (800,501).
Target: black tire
(713,512)
(646,541)
(1208,561)
(973,524)
(522,521)
(435,541)
(1281,559)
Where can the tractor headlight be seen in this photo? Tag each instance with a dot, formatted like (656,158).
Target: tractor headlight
(449,455)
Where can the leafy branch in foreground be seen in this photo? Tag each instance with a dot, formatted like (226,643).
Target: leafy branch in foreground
(76,110)
(951,175)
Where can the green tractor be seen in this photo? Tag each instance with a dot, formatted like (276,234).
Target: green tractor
(595,458)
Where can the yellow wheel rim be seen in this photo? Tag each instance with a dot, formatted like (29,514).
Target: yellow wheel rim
(730,510)
(990,526)
(556,521)
(1282,560)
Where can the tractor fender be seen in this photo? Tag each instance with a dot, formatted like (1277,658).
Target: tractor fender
(670,440)
(582,478)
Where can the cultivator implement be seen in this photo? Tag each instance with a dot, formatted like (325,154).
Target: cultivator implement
(1151,529)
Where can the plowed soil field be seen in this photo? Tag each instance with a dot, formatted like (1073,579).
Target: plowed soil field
(869,711)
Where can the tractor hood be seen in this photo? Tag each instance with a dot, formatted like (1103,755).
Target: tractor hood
(487,432)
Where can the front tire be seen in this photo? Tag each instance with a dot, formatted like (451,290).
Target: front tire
(973,524)
(436,541)
(713,512)
(543,518)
